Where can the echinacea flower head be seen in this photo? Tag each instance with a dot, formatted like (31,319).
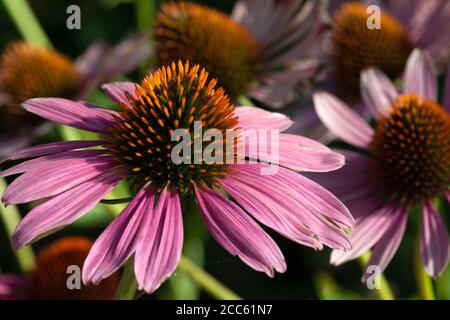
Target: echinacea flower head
(28,71)
(50,277)
(262,49)
(406,163)
(139,144)
(404,25)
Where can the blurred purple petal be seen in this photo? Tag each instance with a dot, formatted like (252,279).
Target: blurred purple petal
(386,248)
(377,92)
(13,287)
(434,243)
(420,75)
(342,121)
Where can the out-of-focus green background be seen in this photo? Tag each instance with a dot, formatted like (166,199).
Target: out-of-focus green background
(309,275)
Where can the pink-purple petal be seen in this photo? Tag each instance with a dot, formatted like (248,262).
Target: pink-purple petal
(71,113)
(63,209)
(256,118)
(159,250)
(116,91)
(434,242)
(420,75)
(342,121)
(367,233)
(50,148)
(446,103)
(387,246)
(377,91)
(239,234)
(14,287)
(120,239)
(58,177)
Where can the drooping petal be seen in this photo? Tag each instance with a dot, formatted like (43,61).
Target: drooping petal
(264,205)
(342,121)
(71,113)
(51,148)
(159,250)
(434,243)
(377,91)
(118,242)
(57,177)
(367,233)
(291,151)
(238,233)
(116,91)
(308,202)
(13,287)
(64,208)
(420,75)
(43,162)
(387,246)
(257,118)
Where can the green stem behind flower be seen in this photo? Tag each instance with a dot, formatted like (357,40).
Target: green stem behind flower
(128,285)
(385,292)
(145,12)
(26,22)
(11,217)
(206,281)
(424,282)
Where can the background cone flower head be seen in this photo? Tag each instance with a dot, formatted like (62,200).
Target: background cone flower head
(407,165)
(266,62)
(50,277)
(136,143)
(28,71)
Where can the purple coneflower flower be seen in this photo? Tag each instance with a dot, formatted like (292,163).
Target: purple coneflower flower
(28,71)
(137,145)
(350,46)
(263,50)
(405,163)
(49,278)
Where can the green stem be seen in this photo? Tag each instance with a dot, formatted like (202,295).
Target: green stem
(128,286)
(206,281)
(424,282)
(116,201)
(145,11)
(11,217)
(26,22)
(384,292)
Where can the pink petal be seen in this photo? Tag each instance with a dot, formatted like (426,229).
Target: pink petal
(309,203)
(291,151)
(159,250)
(50,148)
(238,233)
(59,176)
(367,233)
(118,242)
(264,205)
(342,121)
(434,244)
(45,161)
(377,92)
(420,75)
(13,287)
(71,113)
(256,118)
(387,246)
(116,91)
(64,208)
